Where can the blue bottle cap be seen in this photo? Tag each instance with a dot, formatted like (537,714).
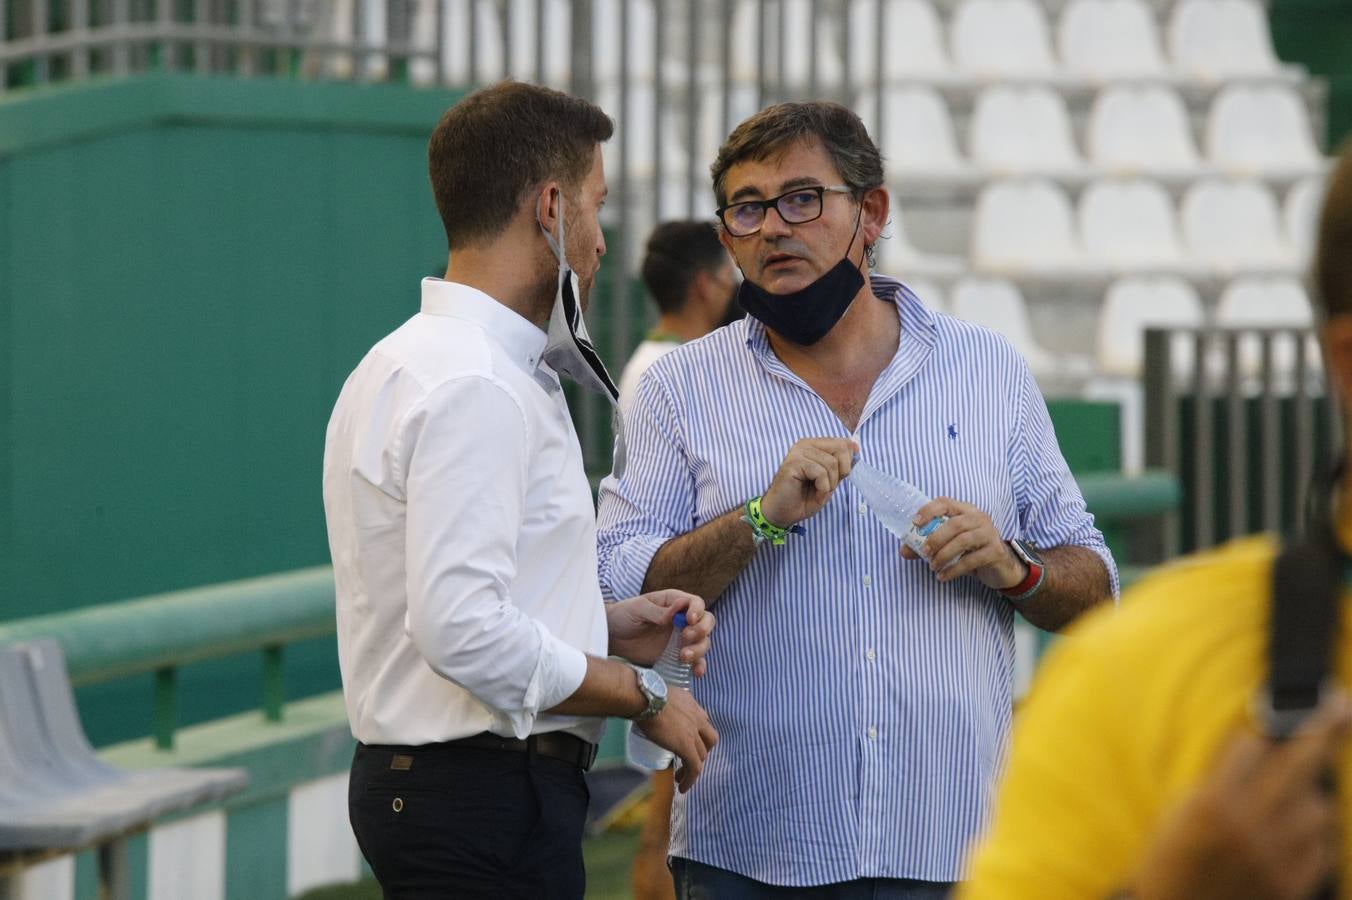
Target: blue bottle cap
(679,621)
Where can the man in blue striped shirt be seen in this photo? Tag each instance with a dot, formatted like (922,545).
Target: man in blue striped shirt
(862,695)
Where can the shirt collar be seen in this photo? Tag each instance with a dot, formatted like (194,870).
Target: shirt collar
(915,346)
(523,340)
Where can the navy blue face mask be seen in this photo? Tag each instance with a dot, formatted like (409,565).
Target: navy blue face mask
(806,315)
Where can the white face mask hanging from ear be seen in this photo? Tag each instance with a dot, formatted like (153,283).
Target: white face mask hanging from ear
(569,350)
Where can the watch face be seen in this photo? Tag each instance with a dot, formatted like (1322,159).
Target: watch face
(653,683)
(1027,551)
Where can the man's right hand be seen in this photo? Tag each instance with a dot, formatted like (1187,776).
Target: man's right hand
(1260,825)
(683,728)
(807,477)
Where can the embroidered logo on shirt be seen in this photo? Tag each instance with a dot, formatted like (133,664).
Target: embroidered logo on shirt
(953,431)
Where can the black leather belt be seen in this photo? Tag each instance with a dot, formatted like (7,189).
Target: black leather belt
(554,744)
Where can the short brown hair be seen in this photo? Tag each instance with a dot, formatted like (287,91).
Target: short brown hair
(493,146)
(1333,254)
(678,251)
(776,128)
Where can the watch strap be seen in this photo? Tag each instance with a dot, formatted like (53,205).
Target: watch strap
(1031,583)
(656,703)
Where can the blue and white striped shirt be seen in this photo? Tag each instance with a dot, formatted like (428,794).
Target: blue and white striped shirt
(862,706)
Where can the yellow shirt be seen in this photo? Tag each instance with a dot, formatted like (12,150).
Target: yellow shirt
(1125,717)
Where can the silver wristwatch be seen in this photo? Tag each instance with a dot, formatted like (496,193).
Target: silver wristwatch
(654,690)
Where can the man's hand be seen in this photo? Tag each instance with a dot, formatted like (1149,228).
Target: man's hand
(641,626)
(683,728)
(1259,826)
(807,477)
(969,533)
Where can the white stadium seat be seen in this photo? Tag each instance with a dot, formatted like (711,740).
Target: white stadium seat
(998,305)
(802,42)
(929,293)
(898,257)
(913,41)
(1023,129)
(917,140)
(1130,224)
(1217,39)
(1265,302)
(1141,130)
(1300,215)
(1269,303)
(1024,224)
(1233,225)
(1138,302)
(1107,39)
(1000,38)
(1261,130)
(1130,306)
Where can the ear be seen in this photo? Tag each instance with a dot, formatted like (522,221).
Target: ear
(1336,336)
(703,284)
(876,205)
(546,200)
(726,240)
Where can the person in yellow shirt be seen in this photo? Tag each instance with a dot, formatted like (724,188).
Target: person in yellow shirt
(1138,767)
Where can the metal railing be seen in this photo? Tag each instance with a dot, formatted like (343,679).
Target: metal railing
(163,633)
(1242,417)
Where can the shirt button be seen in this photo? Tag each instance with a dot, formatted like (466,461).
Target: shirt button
(863,507)
(868,581)
(872,734)
(870,655)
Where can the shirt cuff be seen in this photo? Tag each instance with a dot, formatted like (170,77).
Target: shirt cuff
(628,566)
(1111,565)
(557,677)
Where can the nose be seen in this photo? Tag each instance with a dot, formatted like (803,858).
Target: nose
(600,242)
(774,223)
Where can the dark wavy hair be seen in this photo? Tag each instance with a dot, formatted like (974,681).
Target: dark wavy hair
(776,128)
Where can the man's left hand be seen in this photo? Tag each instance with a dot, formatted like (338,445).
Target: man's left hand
(971,534)
(641,626)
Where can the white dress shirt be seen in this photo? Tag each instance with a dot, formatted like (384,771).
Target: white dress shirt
(462,531)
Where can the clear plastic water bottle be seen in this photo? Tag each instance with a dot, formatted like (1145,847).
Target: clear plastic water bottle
(895,503)
(641,751)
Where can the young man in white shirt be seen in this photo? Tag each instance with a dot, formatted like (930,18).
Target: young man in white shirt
(471,631)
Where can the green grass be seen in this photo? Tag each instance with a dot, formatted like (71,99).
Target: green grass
(608,858)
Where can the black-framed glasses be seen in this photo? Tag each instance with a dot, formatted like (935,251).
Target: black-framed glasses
(795,207)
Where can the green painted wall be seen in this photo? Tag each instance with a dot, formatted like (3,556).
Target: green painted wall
(1318,34)
(256,849)
(189,268)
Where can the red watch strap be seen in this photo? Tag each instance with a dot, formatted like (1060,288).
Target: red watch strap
(1023,587)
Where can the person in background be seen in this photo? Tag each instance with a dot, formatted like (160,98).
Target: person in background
(472,636)
(862,697)
(1140,767)
(691,279)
